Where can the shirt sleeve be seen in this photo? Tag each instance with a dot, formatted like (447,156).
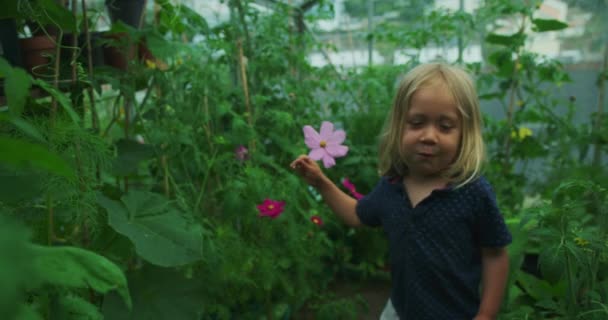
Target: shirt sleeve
(491,229)
(368,208)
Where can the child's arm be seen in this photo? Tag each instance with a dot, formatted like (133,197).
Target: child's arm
(338,201)
(495,269)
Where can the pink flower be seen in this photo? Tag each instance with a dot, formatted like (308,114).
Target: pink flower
(316,220)
(241,153)
(325,145)
(351,188)
(271,208)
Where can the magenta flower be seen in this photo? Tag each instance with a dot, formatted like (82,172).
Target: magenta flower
(241,153)
(316,220)
(271,208)
(351,188)
(325,145)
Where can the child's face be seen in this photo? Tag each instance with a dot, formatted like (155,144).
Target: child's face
(433,128)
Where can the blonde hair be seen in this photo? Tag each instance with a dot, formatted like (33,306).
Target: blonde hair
(471,152)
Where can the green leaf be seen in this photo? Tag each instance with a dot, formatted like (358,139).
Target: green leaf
(537,288)
(160,233)
(130,154)
(16,272)
(56,14)
(77,308)
(25,127)
(160,294)
(19,186)
(17,85)
(62,99)
(24,155)
(514,40)
(28,312)
(9,10)
(78,268)
(552,261)
(543,25)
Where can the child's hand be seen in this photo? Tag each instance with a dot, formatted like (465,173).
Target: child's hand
(309,170)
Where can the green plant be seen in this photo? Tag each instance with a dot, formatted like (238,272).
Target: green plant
(572,227)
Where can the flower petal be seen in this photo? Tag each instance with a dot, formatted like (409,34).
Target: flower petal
(336,138)
(311,137)
(357,195)
(337,151)
(328,160)
(348,185)
(317,154)
(326,130)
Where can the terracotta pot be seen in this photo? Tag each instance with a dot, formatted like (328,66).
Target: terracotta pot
(119,56)
(35,52)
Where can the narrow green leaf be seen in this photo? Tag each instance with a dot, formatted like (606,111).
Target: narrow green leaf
(17,85)
(543,25)
(62,99)
(160,233)
(76,308)
(25,127)
(25,155)
(78,268)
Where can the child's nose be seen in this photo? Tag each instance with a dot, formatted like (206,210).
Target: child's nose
(428,135)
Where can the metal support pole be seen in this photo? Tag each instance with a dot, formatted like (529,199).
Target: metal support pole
(460,30)
(370,30)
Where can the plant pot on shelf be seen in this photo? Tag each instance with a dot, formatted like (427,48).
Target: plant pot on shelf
(35,53)
(119,54)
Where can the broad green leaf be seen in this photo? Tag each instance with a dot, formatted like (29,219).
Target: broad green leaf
(130,154)
(76,308)
(17,85)
(160,233)
(9,10)
(78,268)
(514,40)
(56,14)
(160,294)
(542,25)
(16,271)
(27,312)
(24,155)
(19,186)
(62,99)
(537,288)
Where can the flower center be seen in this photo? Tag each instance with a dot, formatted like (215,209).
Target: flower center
(270,206)
(323,143)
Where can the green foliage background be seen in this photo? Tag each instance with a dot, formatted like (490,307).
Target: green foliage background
(123,197)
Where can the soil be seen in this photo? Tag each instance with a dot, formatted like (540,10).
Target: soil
(375,293)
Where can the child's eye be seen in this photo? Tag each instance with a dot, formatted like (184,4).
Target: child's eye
(415,122)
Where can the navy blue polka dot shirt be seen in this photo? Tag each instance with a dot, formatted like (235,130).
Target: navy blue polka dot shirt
(435,247)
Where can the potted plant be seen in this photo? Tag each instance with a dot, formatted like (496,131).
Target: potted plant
(44,20)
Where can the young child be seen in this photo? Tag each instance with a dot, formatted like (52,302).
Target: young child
(446,235)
